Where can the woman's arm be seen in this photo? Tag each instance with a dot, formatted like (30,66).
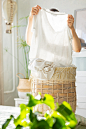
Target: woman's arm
(76,41)
(34,11)
(28,30)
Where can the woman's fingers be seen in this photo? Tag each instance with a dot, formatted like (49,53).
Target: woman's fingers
(70,16)
(38,6)
(35,10)
(70,21)
(35,13)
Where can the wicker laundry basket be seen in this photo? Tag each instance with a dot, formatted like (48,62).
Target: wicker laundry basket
(61,86)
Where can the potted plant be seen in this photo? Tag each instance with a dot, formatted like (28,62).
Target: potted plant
(60,118)
(24,83)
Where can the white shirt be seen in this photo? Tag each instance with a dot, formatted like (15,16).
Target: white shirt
(52,38)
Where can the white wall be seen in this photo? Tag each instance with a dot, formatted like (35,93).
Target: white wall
(1,57)
(68,6)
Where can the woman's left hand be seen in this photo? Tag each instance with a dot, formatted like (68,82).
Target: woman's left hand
(70,21)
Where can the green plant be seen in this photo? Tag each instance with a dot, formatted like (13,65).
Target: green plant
(25,48)
(60,118)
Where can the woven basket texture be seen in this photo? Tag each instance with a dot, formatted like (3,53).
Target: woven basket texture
(61,86)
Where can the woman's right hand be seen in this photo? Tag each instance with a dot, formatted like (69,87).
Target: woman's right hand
(35,10)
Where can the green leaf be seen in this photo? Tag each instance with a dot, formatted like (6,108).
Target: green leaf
(57,105)
(18,26)
(32,116)
(71,124)
(64,111)
(50,121)
(39,93)
(46,115)
(24,17)
(68,110)
(56,114)
(72,116)
(24,110)
(59,123)
(49,100)
(7,122)
(19,127)
(23,44)
(42,124)
(32,101)
(67,105)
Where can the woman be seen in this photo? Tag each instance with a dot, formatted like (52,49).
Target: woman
(76,45)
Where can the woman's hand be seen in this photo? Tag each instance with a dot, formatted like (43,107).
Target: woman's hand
(35,10)
(70,21)
(76,41)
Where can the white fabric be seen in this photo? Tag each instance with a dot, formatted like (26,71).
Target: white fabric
(41,69)
(52,38)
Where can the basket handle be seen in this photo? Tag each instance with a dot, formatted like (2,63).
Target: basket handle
(21,74)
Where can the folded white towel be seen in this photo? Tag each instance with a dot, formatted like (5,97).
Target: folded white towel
(41,69)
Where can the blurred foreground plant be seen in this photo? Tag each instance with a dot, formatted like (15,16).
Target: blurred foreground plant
(60,118)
